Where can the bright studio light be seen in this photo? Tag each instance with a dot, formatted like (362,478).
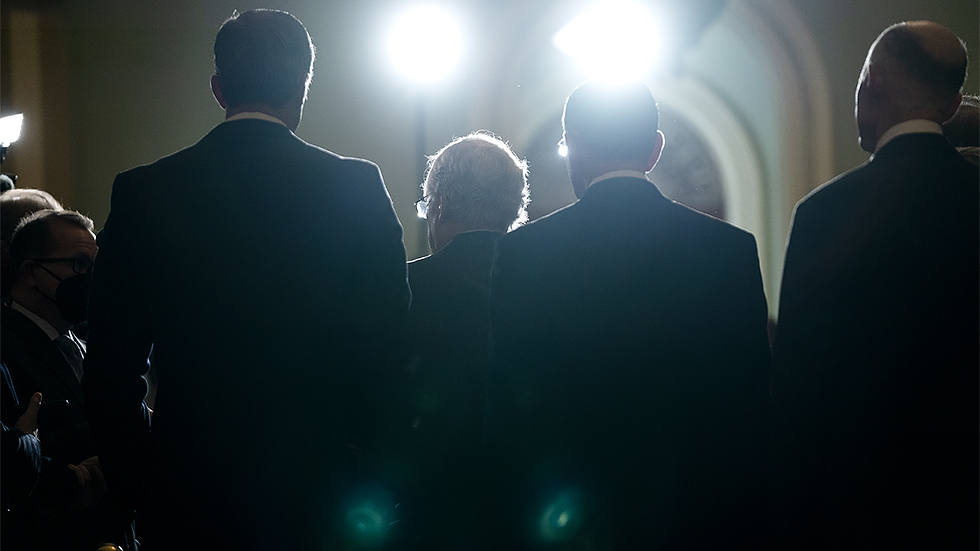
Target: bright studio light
(10,129)
(615,40)
(425,44)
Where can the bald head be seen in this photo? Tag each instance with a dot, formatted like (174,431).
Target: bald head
(914,70)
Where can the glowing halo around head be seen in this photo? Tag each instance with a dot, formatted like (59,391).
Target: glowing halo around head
(616,40)
(425,44)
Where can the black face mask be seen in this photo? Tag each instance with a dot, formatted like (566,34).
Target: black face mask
(71,297)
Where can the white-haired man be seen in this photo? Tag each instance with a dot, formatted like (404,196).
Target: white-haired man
(474,191)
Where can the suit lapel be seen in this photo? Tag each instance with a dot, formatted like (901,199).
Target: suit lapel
(49,357)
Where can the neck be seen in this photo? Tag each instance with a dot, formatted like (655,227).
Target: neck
(448,231)
(581,180)
(895,113)
(287,114)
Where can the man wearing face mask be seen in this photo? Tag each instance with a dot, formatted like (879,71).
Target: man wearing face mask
(53,252)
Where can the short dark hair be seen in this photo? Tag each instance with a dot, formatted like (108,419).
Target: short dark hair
(904,45)
(263,57)
(33,239)
(615,121)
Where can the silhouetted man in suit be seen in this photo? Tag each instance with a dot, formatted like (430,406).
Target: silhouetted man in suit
(268,276)
(628,400)
(876,381)
(474,191)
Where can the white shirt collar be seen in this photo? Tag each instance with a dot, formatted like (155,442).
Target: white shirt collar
(914,126)
(619,174)
(255,115)
(48,329)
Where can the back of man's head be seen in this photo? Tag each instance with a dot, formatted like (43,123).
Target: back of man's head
(612,121)
(925,64)
(481,182)
(263,57)
(16,204)
(34,237)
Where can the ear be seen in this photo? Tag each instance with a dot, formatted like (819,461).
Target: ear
(874,79)
(216,90)
(434,211)
(657,150)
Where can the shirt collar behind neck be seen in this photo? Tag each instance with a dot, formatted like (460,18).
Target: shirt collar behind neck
(914,126)
(48,329)
(254,115)
(619,174)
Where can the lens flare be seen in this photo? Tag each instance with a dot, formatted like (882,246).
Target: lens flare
(369,513)
(561,518)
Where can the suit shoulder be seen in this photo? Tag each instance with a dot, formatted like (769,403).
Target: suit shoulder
(688,216)
(553,223)
(836,190)
(18,330)
(156,166)
(353,164)
(420,265)
(424,275)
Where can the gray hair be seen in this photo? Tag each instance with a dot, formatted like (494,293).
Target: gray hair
(482,182)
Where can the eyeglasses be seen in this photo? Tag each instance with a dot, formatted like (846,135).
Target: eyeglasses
(79,265)
(422,206)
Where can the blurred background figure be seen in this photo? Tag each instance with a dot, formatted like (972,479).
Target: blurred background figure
(963,130)
(18,203)
(15,205)
(20,455)
(7,182)
(53,251)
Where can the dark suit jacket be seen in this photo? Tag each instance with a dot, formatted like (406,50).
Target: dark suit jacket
(877,350)
(630,387)
(20,455)
(450,326)
(269,277)
(37,365)
(450,329)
